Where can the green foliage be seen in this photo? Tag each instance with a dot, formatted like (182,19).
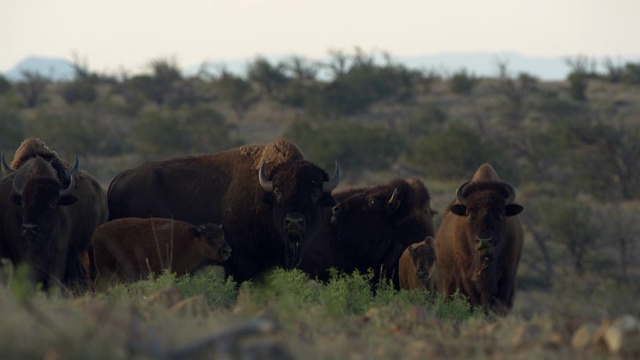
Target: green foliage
(356,87)
(163,134)
(455,153)
(270,78)
(462,82)
(32,88)
(236,91)
(577,86)
(354,146)
(12,129)
(79,91)
(5,85)
(218,292)
(569,223)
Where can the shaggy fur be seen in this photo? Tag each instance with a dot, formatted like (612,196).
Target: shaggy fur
(370,228)
(414,264)
(129,249)
(479,244)
(64,224)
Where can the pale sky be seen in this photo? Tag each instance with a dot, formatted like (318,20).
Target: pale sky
(115,34)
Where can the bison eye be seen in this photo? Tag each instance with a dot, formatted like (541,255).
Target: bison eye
(373,202)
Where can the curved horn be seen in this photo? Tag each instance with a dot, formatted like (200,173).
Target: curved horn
(394,196)
(7,169)
(18,183)
(328,186)
(264,181)
(462,199)
(72,185)
(70,172)
(512,193)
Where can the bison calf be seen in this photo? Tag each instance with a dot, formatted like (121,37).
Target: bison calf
(129,249)
(414,264)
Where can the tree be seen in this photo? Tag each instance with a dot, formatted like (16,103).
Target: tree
(236,91)
(32,87)
(462,82)
(571,224)
(270,78)
(5,85)
(581,69)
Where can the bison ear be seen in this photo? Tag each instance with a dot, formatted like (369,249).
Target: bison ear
(268,197)
(16,199)
(458,209)
(194,231)
(68,200)
(328,200)
(513,209)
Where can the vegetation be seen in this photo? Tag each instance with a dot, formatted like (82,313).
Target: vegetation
(571,148)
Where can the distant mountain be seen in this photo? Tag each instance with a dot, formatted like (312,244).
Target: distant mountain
(56,69)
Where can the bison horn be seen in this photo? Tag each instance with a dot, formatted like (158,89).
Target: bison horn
(461,198)
(7,169)
(512,193)
(264,181)
(328,186)
(72,185)
(394,197)
(69,173)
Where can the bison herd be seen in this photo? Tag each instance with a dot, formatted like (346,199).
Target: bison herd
(252,209)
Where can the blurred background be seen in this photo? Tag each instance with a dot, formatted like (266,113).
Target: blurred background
(548,93)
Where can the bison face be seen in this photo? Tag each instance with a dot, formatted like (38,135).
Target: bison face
(215,247)
(297,194)
(486,206)
(423,256)
(44,221)
(378,224)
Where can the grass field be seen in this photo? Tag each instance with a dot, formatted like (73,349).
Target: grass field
(286,316)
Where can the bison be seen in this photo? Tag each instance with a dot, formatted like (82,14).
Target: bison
(129,249)
(479,243)
(415,263)
(50,210)
(268,198)
(370,228)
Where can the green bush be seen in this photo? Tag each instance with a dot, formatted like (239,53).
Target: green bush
(455,153)
(354,146)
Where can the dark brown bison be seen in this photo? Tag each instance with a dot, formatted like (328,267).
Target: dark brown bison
(269,200)
(370,228)
(129,249)
(479,243)
(415,263)
(50,210)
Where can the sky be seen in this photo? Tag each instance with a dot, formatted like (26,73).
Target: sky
(108,35)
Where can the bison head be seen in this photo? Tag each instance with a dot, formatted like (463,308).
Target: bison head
(423,257)
(215,246)
(44,222)
(297,192)
(376,225)
(486,204)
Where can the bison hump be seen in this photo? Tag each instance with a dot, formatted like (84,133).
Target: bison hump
(485,172)
(276,152)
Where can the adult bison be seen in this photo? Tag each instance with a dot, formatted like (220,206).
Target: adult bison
(370,228)
(268,198)
(50,210)
(479,243)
